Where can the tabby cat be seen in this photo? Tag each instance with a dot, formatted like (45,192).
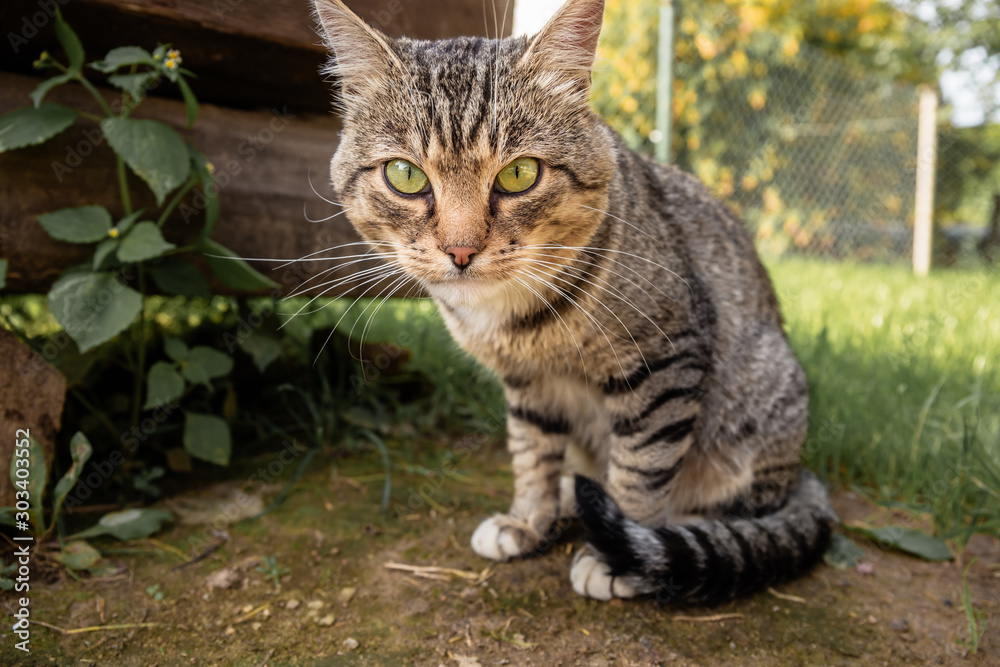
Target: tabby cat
(636,332)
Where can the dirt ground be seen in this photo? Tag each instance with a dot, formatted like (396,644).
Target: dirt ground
(338,603)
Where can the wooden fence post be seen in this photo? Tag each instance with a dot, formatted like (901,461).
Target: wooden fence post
(923,220)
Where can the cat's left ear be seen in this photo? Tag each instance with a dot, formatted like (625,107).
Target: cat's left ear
(567,44)
(362,54)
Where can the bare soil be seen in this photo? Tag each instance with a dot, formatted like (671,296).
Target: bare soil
(340,605)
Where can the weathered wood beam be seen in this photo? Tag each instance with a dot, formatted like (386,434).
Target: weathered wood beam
(246,53)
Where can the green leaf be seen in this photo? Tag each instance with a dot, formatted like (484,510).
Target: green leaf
(175,276)
(104,250)
(7,516)
(176,349)
(3,273)
(6,584)
(144,242)
(36,478)
(135,85)
(33,125)
(843,554)
(78,556)
(262,348)
(80,449)
(83,224)
(131,524)
(123,55)
(93,307)
(190,102)
(215,364)
(232,270)
(915,542)
(163,385)
(195,374)
(128,222)
(154,151)
(70,43)
(42,89)
(207,437)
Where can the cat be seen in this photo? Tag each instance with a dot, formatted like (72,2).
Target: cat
(635,330)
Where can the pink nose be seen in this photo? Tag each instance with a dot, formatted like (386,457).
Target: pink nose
(461,257)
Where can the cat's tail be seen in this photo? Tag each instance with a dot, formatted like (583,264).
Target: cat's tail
(710,561)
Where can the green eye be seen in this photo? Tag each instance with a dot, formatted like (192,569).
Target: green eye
(518,176)
(406,177)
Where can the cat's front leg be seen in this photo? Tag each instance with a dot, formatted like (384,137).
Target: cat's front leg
(537,442)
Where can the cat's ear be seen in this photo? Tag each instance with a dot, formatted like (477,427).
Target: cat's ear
(361,54)
(568,42)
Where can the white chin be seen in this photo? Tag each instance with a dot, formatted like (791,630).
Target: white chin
(465,292)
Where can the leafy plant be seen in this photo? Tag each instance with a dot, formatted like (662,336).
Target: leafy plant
(272,572)
(104,297)
(975,618)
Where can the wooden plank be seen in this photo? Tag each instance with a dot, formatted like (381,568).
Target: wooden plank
(246,53)
(263,161)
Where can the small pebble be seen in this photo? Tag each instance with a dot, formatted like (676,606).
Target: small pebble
(350,643)
(899,624)
(256,626)
(866,568)
(230,630)
(292,604)
(247,608)
(315,604)
(346,595)
(327,620)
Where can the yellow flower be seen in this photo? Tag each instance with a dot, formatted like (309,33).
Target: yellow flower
(170,64)
(113,232)
(174,53)
(209,167)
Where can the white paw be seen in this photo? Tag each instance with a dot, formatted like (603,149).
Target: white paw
(591,578)
(494,541)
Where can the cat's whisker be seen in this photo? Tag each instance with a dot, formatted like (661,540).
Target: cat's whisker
(598,326)
(354,276)
(305,214)
(583,362)
(612,272)
(375,300)
(311,257)
(329,287)
(394,287)
(388,272)
(337,325)
(626,222)
(617,293)
(621,252)
(603,330)
(375,282)
(313,188)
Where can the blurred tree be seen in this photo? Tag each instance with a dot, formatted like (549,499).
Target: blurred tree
(756,104)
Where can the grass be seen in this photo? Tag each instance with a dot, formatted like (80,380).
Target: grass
(904,383)
(903,378)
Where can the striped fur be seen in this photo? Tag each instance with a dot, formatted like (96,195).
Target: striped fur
(636,332)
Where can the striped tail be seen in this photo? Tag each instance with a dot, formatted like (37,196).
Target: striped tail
(710,561)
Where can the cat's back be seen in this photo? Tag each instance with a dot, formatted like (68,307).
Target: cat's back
(711,245)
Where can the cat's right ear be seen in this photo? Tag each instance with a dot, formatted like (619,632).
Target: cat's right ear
(362,56)
(567,45)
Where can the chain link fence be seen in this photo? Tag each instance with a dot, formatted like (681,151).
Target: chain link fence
(817,153)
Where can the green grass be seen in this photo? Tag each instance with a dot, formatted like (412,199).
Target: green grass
(903,376)
(905,384)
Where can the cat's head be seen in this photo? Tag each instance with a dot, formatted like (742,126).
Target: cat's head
(460,157)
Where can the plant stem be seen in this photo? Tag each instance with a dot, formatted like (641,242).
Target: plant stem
(89,116)
(96,94)
(175,201)
(123,186)
(140,367)
(103,418)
